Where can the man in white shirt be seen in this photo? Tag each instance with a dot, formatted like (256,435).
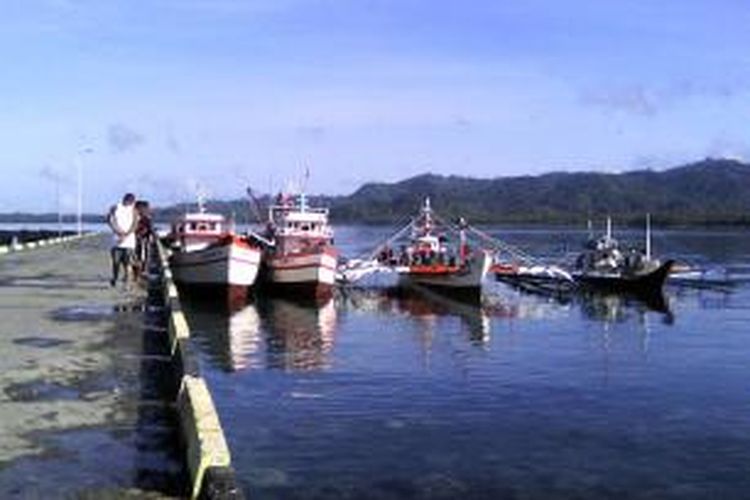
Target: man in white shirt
(123,220)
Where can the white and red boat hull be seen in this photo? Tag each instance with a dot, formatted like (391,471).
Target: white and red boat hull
(311,275)
(465,278)
(232,262)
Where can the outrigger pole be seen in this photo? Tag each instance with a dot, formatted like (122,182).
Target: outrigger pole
(495,243)
(390,240)
(367,265)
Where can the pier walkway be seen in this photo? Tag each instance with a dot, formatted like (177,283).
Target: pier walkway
(82,406)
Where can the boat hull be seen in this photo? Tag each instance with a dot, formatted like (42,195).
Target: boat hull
(463,281)
(648,283)
(309,275)
(231,263)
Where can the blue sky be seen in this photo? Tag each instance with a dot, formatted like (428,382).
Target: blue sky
(171,94)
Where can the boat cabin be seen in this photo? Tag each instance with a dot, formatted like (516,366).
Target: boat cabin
(297,228)
(195,231)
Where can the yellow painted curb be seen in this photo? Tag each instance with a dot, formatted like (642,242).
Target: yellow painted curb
(201,429)
(178,328)
(204,437)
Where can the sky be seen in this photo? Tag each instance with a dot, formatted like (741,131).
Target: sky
(169,97)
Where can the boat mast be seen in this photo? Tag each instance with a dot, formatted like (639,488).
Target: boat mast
(609,228)
(427,215)
(648,236)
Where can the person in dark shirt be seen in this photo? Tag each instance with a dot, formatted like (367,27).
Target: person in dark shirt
(144,234)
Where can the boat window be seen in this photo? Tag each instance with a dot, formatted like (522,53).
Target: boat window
(305,227)
(192,226)
(213,226)
(202,227)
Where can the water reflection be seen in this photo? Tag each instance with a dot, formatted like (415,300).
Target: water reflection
(231,336)
(425,306)
(299,336)
(282,334)
(619,308)
(600,305)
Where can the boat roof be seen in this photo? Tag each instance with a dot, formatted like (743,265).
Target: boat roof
(202,217)
(320,217)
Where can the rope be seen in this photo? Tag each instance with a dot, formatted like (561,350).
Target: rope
(496,244)
(387,242)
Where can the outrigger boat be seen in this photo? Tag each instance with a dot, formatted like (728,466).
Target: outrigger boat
(206,252)
(427,259)
(604,265)
(301,258)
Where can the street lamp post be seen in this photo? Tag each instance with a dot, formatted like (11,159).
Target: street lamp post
(59,207)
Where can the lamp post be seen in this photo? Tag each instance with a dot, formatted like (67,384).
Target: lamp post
(59,207)
(79,201)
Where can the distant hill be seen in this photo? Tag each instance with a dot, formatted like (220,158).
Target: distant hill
(709,192)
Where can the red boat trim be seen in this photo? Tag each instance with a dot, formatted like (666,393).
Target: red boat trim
(213,261)
(330,251)
(222,239)
(504,268)
(434,270)
(277,267)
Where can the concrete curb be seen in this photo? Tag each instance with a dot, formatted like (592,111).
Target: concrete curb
(204,437)
(207,454)
(30,245)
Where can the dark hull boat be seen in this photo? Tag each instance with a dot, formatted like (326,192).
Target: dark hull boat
(639,283)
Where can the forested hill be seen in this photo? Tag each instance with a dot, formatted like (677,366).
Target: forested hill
(707,192)
(711,192)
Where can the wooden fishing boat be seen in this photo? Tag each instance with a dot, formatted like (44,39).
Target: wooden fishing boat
(641,282)
(604,265)
(427,252)
(206,252)
(430,260)
(301,260)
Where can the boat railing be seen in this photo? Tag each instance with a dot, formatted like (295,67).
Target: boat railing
(296,208)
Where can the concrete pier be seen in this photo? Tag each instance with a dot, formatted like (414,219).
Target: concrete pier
(85,377)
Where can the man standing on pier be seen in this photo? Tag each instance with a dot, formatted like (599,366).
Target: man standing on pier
(123,220)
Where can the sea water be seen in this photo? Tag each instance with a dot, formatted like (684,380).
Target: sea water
(378,394)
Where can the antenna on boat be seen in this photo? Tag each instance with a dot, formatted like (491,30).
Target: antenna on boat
(609,227)
(254,204)
(202,195)
(648,236)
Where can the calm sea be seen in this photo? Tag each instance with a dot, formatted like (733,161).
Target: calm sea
(381,395)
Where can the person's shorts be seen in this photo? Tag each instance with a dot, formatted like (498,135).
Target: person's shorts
(123,256)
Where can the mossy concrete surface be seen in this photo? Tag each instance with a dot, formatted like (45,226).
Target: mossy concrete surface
(80,412)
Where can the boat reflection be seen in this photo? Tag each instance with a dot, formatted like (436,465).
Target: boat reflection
(299,335)
(230,335)
(619,308)
(271,333)
(604,306)
(426,306)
